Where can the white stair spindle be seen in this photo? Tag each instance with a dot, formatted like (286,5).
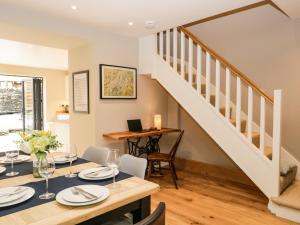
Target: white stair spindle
(238,104)
(250,114)
(207,77)
(199,68)
(190,61)
(276,150)
(161,44)
(182,54)
(227,98)
(168,47)
(262,125)
(175,48)
(218,77)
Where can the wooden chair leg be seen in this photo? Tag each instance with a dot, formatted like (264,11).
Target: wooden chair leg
(173,175)
(149,169)
(174,169)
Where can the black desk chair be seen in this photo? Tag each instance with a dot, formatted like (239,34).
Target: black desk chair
(157,217)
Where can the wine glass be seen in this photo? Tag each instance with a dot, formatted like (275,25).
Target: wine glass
(46,170)
(112,162)
(71,156)
(12,155)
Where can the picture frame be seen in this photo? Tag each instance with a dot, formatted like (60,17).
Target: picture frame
(81,96)
(118,82)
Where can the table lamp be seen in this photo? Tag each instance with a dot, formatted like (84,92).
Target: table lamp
(157,121)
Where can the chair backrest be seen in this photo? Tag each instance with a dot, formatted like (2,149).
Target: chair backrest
(174,149)
(133,165)
(157,217)
(96,154)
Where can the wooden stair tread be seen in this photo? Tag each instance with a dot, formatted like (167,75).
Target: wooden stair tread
(290,197)
(254,134)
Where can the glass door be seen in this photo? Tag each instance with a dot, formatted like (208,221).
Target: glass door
(33,104)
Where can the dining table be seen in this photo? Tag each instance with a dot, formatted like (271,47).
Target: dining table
(131,194)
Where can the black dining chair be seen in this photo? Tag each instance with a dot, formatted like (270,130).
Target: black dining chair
(157,217)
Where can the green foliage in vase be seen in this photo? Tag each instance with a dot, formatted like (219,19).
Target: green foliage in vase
(39,142)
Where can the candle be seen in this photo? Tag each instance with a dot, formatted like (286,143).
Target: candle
(157,121)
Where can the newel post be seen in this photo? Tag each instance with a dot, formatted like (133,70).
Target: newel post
(276,141)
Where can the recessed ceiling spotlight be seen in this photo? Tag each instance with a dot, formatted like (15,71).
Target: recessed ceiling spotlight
(74,7)
(130,24)
(149,24)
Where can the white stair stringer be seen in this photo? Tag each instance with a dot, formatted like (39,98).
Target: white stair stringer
(235,145)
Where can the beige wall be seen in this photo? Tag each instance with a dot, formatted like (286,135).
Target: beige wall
(196,144)
(54,81)
(265,45)
(111,115)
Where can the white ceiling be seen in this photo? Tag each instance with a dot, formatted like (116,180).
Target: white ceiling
(291,7)
(57,17)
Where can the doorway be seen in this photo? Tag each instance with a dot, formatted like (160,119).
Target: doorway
(21,106)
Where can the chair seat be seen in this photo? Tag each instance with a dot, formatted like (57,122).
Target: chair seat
(159,156)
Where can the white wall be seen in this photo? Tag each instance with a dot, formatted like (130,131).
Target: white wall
(23,54)
(264,44)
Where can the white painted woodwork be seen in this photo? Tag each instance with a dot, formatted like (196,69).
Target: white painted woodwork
(284,212)
(190,62)
(276,141)
(208,70)
(161,44)
(182,54)
(227,93)
(199,69)
(238,103)
(250,113)
(175,48)
(213,123)
(217,89)
(168,46)
(265,173)
(262,125)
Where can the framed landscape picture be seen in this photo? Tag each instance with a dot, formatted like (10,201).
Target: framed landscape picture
(118,82)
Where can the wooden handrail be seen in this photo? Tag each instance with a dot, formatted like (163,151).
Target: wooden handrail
(224,62)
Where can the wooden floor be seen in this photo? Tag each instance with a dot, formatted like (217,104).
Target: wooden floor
(205,199)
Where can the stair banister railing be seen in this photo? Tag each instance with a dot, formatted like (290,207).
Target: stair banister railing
(187,68)
(276,140)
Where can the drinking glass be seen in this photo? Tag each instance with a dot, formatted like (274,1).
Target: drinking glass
(12,155)
(46,170)
(71,156)
(113,161)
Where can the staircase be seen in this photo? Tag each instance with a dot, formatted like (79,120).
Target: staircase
(211,90)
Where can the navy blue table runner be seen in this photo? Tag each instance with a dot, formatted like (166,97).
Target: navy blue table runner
(55,185)
(25,168)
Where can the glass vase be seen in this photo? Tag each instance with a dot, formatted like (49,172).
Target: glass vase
(35,165)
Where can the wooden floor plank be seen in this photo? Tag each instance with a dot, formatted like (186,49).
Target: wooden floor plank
(205,200)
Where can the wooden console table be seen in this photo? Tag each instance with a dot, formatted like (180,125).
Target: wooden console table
(134,138)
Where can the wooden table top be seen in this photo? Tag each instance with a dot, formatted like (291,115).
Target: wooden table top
(128,190)
(127,134)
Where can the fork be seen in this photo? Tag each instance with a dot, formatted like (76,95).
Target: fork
(17,191)
(77,191)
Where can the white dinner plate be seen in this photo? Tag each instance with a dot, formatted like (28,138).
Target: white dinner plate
(21,158)
(2,169)
(18,198)
(63,160)
(73,200)
(101,176)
